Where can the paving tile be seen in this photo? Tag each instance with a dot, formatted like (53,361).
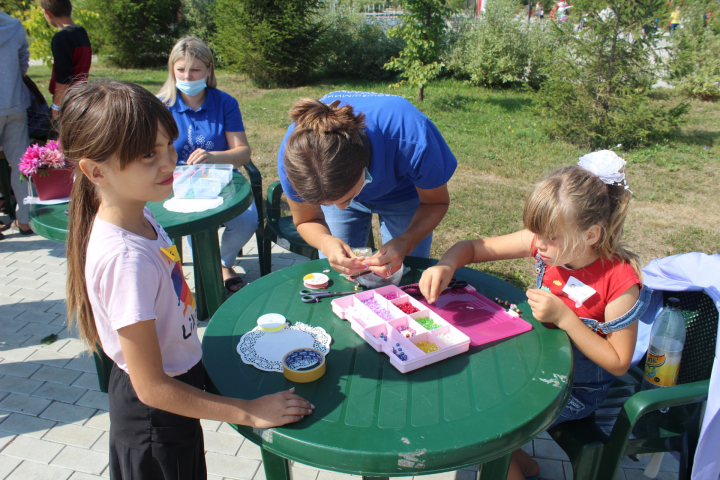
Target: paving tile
(10,325)
(35,341)
(23,404)
(12,338)
(300,473)
(567,468)
(11,289)
(39,329)
(219,442)
(35,471)
(528,448)
(46,373)
(32,449)
(225,428)
(631,474)
(5,438)
(549,449)
(19,283)
(10,312)
(16,354)
(63,412)
(86,380)
(214,477)
(551,469)
(250,450)
(56,297)
(83,364)
(54,277)
(210,425)
(103,443)
(6,280)
(74,347)
(13,384)
(83,460)
(35,305)
(62,393)
(669,464)
(37,317)
(642,462)
(7,300)
(76,435)
(50,267)
(95,400)
(84,476)
(49,358)
(327,475)
(231,467)
(26,425)
(48,286)
(4,415)
(7,465)
(60,308)
(25,265)
(101,420)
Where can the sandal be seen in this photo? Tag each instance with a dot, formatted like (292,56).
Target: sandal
(234,282)
(4,227)
(23,232)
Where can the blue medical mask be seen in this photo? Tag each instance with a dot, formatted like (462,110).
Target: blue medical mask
(366,180)
(191,88)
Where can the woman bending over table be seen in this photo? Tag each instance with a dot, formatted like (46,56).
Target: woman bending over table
(352,154)
(211,131)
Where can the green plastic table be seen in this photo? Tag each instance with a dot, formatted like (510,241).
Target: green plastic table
(50,221)
(370,419)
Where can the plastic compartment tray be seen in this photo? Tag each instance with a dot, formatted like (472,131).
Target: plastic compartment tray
(201,181)
(395,323)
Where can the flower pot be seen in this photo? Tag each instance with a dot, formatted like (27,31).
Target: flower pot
(53,183)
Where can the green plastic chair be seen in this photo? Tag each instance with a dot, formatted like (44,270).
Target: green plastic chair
(629,421)
(277,227)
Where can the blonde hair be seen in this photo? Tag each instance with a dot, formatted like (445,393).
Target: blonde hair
(327,152)
(188,48)
(101,121)
(570,201)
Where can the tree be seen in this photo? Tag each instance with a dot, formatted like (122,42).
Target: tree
(272,41)
(423,29)
(136,33)
(599,80)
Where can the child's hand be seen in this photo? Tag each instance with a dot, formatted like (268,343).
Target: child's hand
(547,308)
(278,409)
(434,280)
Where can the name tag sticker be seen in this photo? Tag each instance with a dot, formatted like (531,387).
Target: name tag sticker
(577,291)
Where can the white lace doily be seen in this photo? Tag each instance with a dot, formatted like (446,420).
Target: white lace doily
(265,350)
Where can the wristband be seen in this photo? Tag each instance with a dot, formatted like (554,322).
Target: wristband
(55,107)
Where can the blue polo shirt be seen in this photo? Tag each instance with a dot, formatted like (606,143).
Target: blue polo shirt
(205,128)
(407,149)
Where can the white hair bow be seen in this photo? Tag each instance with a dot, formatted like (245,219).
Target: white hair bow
(606,164)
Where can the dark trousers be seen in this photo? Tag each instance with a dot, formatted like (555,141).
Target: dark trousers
(148,443)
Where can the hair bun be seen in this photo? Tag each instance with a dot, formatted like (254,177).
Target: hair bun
(325,119)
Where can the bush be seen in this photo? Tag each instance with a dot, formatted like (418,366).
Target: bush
(355,46)
(500,49)
(197,19)
(703,80)
(136,33)
(274,42)
(599,81)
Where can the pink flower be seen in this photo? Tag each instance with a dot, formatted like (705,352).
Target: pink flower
(36,158)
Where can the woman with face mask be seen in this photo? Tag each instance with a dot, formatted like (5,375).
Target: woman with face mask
(211,131)
(352,154)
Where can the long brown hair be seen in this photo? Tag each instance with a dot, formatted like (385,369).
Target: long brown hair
(571,200)
(101,121)
(326,154)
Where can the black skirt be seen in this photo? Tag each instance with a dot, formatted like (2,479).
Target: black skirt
(148,443)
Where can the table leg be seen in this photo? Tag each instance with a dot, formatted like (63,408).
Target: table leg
(200,303)
(276,467)
(207,245)
(496,469)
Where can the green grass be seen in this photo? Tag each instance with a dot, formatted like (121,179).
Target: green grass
(501,153)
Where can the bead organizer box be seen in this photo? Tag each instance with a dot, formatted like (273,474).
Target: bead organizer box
(380,317)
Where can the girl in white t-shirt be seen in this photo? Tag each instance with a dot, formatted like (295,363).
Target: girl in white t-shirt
(128,293)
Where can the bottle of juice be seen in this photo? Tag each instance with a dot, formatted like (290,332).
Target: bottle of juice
(667,339)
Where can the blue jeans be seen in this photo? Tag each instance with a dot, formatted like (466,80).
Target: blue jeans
(352,225)
(591,385)
(238,232)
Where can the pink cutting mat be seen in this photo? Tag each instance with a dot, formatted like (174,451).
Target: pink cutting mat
(476,316)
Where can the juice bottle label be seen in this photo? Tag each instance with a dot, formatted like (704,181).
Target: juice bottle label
(661,367)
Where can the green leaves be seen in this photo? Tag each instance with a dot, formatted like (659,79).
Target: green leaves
(423,29)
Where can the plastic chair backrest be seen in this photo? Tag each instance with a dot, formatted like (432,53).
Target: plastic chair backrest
(701,321)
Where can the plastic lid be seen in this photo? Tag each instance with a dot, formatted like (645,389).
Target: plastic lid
(673,302)
(271,322)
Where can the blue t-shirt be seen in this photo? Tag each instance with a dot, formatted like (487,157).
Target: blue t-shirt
(407,149)
(205,128)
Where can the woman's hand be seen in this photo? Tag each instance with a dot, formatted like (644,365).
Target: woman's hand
(278,409)
(200,156)
(341,257)
(434,280)
(548,308)
(389,258)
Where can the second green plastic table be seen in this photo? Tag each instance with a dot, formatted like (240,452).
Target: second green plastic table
(50,221)
(371,420)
